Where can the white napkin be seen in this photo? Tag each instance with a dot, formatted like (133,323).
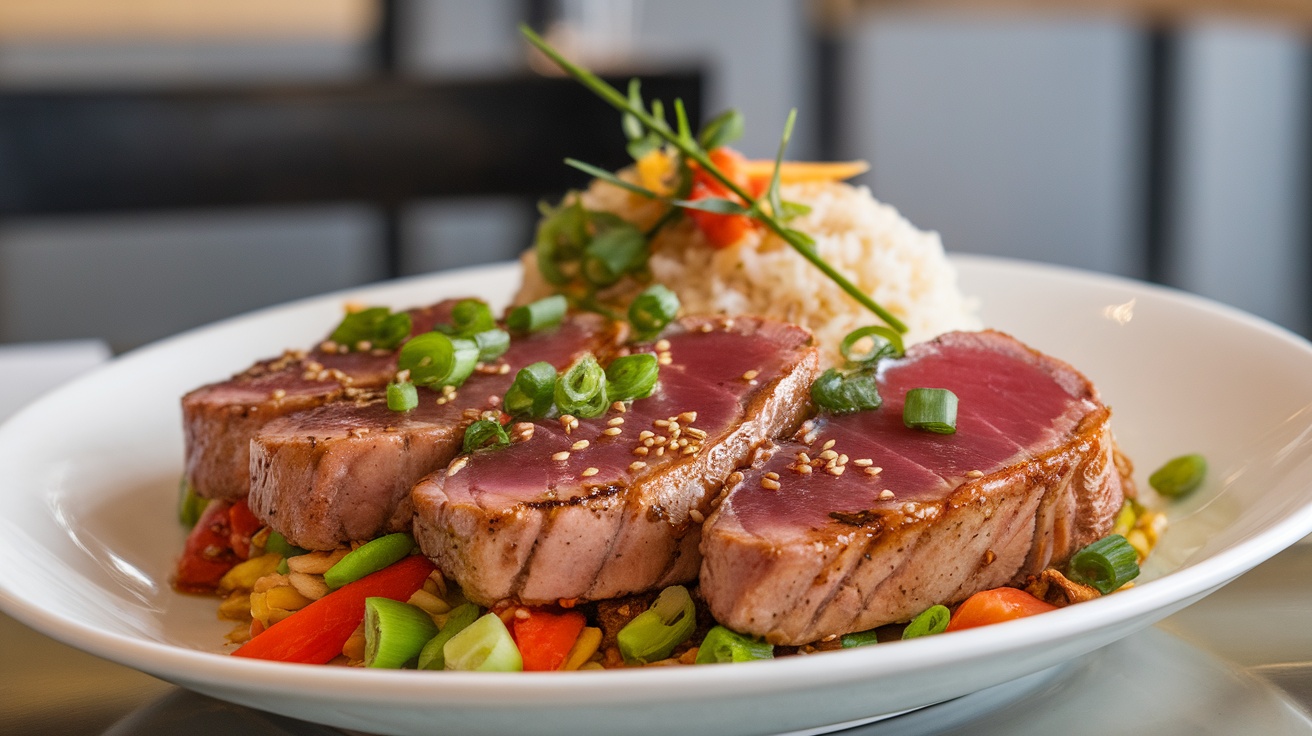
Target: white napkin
(28,370)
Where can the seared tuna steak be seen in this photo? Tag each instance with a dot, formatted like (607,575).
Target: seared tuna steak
(220,419)
(599,508)
(861,521)
(342,472)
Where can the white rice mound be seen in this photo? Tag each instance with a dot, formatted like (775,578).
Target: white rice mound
(902,268)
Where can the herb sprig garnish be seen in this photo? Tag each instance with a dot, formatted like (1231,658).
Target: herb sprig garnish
(681,138)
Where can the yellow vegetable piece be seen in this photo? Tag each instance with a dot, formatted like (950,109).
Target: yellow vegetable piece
(286,599)
(796,172)
(653,169)
(244,575)
(584,647)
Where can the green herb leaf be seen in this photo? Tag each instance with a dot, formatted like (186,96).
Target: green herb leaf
(772,192)
(480,433)
(717,205)
(722,130)
(613,252)
(789,210)
(611,178)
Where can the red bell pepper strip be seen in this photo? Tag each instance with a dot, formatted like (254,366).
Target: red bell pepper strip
(545,638)
(244,525)
(995,606)
(207,554)
(722,231)
(315,634)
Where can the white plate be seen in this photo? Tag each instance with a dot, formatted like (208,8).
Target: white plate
(88,534)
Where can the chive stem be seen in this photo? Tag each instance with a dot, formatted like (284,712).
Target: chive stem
(369,558)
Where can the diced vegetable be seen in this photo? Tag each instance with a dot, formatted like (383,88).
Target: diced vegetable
(534,391)
(434,359)
(469,316)
(582,390)
(492,344)
(632,377)
(278,545)
(1106,564)
(244,574)
(394,632)
(207,554)
(483,646)
(585,646)
(539,315)
(995,606)
(934,620)
(432,657)
(376,327)
(721,230)
(190,505)
(484,432)
(242,526)
(369,558)
(1179,476)
(723,645)
(402,396)
(545,638)
(315,634)
(931,409)
(655,632)
(654,308)
(842,393)
(859,639)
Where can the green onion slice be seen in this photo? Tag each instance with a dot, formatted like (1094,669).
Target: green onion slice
(378,326)
(654,308)
(539,315)
(1126,518)
(394,632)
(655,632)
(561,236)
(484,646)
(533,392)
(190,504)
(1107,564)
(480,433)
(582,390)
(842,393)
(931,409)
(492,344)
(369,558)
(631,377)
(1180,476)
(934,620)
(278,544)
(884,343)
(723,645)
(618,248)
(859,639)
(431,657)
(471,316)
(434,359)
(402,396)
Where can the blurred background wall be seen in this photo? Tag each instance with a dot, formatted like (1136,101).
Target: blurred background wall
(1174,150)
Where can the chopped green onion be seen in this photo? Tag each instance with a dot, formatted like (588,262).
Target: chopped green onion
(582,390)
(484,646)
(723,645)
(283,567)
(859,639)
(631,377)
(934,620)
(539,315)
(369,558)
(492,344)
(560,240)
(533,392)
(190,505)
(471,316)
(655,632)
(434,359)
(616,250)
(654,308)
(394,632)
(478,434)
(842,393)
(1107,564)
(378,326)
(460,617)
(1180,476)
(931,409)
(402,396)
(278,544)
(1126,518)
(884,343)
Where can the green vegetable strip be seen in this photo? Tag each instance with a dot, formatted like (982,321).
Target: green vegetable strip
(480,433)
(654,308)
(460,617)
(402,396)
(484,646)
(278,544)
(377,325)
(1107,564)
(394,632)
(933,620)
(931,409)
(582,390)
(688,148)
(434,359)
(632,377)
(859,639)
(885,343)
(722,645)
(190,505)
(533,392)
(492,344)
(539,315)
(840,394)
(655,632)
(470,316)
(1180,476)
(369,558)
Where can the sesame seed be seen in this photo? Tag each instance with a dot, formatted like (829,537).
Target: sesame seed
(504,369)
(751,375)
(872,472)
(637,465)
(364,346)
(734,477)
(772,476)
(690,450)
(449,390)
(612,431)
(664,359)
(619,407)
(885,494)
(589,472)
(456,466)
(828,455)
(989,556)
(580,445)
(561,456)
(646,434)
(662,423)
(836,471)
(615,421)
(828,444)
(863,462)
(804,469)
(975,474)
(688,417)
(653,441)
(278,393)
(403,376)
(802,457)
(696,516)
(770,485)
(695,433)
(640,451)
(522,614)
(660,451)
(662,346)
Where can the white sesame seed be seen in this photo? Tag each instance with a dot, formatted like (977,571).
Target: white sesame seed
(688,417)
(829,455)
(662,423)
(770,485)
(637,465)
(696,516)
(522,614)
(456,466)
(640,451)
(664,359)
(646,434)
(804,469)
(772,475)
(662,345)
(278,393)
(828,444)
(751,375)
(885,494)
(580,445)
(842,459)
(872,472)
(975,474)
(836,471)
(589,472)
(863,462)
(612,431)
(660,451)
(619,407)
(561,456)
(615,421)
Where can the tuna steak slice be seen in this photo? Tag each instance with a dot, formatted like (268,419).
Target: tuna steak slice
(220,419)
(582,514)
(342,472)
(1028,478)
